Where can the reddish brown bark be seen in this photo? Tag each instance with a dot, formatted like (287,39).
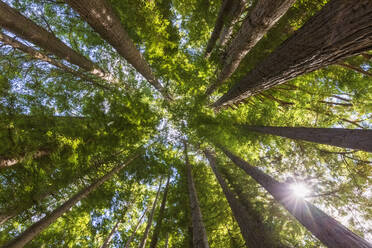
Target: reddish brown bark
(341,29)
(101,17)
(330,232)
(360,139)
(262,17)
(42,224)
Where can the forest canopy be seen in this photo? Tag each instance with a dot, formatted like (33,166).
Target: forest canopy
(186,123)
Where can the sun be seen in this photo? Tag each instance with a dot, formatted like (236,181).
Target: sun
(300,190)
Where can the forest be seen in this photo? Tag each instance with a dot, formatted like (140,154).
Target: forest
(186,123)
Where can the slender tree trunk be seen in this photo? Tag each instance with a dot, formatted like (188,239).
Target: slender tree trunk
(166,240)
(13,21)
(259,21)
(107,241)
(35,54)
(330,232)
(354,68)
(127,244)
(155,235)
(42,224)
(199,233)
(101,17)
(360,139)
(149,222)
(8,162)
(340,30)
(250,223)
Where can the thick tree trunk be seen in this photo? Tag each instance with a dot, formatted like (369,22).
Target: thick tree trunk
(8,162)
(42,224)
(37,55)
(360,139)
(127,244)
(101,17)
(13,21)
(199,233)
(107,241)
(149,221)
(341,29)
(330,232)
(250,223)
(258,22)
(155,235)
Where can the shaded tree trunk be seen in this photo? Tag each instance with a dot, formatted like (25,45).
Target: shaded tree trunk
(340,30)
(42,224)
(35,54)
(155,235)
(199,233)
(330,232)
(127,244)
(258,22)
(360,139)
(101,17)
(107,241)
(250,223)
(149,222)
(13,21)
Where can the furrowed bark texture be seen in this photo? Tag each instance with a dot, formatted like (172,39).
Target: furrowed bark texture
(360,139)
(13,21)
(252,228)
(199,233)
(330,232)
(262,17)
(127,244)
(101,17)
(149,222)
(342,28)
(155,236)
(42,224)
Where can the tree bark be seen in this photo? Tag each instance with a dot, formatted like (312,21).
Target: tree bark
(259,21)
(330,232)
(155,235)
(127,244)
(341,29)
(13,21)
(199,233)
(107,241)
(360,139)
(250,223)
(42,224)
(8,162)
(37,55)
(149,222)
(166,240)
(101,17)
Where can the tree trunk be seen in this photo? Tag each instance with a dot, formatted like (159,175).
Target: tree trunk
(149,221)
(199,233)
(155,235)
(166,240)
(111,235)
(101,17)
(250,223)
(354,68)
(42,224)
(258,22)
(330,232)
(13,21)
(8,162)
(340,30)
(360,139)
(127,244)
(35,54)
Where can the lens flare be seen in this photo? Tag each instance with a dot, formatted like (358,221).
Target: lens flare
(300,190)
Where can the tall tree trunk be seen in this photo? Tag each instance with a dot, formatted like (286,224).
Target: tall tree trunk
(107,241)
(166,240)
(155,235)
(258,22)
(250,223)
(149,221)
(127,244)
(35,54)
(8,162)
(360,139)
(340,30)
(330,232)
(13,21)
(42,224)
(101,17)
(199,233)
